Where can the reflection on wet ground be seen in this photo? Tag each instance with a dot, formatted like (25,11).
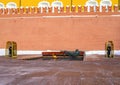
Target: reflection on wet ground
(102,71)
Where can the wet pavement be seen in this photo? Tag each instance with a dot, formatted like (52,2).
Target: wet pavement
(94,70)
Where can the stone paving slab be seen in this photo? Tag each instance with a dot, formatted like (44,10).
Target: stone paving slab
(60,72)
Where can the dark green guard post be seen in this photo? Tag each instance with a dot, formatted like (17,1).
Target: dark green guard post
(11,49)
(109,49)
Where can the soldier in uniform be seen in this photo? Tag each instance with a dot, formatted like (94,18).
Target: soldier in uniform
(10,51)
(109,51)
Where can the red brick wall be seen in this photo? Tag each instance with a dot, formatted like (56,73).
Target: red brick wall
(55,33)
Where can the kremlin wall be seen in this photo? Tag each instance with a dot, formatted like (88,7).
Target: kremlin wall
(60,28)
